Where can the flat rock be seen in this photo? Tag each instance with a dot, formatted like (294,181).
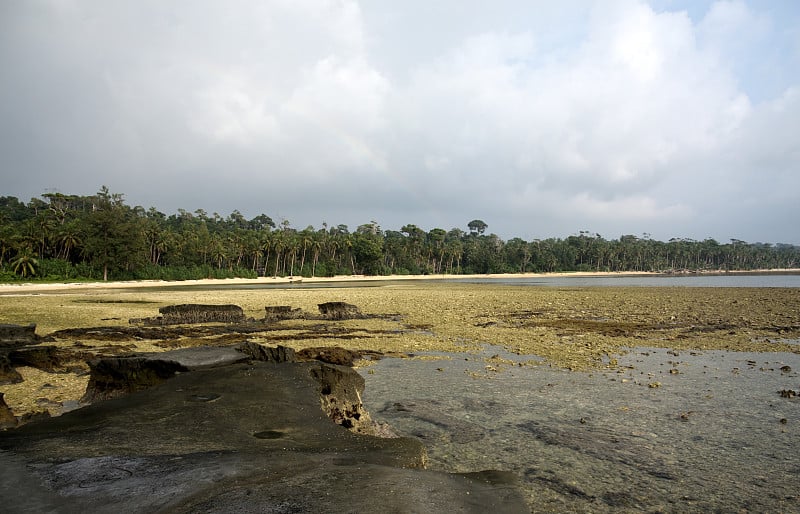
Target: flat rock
(111,377)
(245,437)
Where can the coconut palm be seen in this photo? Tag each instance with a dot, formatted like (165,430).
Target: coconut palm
(25,263)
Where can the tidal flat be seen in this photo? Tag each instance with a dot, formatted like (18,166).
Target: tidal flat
(637,399)
(567,328)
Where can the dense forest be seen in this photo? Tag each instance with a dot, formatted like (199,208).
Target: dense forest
(69,237)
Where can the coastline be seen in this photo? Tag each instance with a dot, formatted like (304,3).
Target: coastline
(34,287)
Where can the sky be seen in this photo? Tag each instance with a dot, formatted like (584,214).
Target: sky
(673,118)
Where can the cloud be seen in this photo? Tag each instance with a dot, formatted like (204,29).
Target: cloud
(542,118)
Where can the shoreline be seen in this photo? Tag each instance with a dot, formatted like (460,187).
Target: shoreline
(32,287)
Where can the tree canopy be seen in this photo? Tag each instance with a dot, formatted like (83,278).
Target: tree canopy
(71,237)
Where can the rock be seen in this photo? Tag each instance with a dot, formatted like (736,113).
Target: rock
(112,377)
(47,358)
(7,418)
(195,313)
(340,391)
(280,312)
(258,352)
(8,374)
(339,310)
(12,336)
(331,355)
(245,437)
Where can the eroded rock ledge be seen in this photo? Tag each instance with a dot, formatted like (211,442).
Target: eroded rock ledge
(229,429)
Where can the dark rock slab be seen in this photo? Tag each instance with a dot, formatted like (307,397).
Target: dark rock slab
(8,373)
(48,358)
(12,336)
(259,352)
(7,418)
(333,355)
(246,437)
(112,377)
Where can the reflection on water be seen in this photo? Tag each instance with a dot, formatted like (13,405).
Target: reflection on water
(667,432)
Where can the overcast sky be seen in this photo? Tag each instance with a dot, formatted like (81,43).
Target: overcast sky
(669,117)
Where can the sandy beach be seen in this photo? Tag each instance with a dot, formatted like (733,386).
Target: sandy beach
(38,287)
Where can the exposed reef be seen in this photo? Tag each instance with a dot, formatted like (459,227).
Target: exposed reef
(218,431)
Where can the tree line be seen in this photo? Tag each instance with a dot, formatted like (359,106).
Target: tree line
(71,237)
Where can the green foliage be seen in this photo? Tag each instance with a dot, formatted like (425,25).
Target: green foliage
(69,237)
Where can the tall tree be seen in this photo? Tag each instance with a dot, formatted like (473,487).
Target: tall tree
(113,240)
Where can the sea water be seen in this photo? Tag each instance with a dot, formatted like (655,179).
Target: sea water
(664,431)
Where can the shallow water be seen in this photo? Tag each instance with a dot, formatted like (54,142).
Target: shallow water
(694,280)
(666,432)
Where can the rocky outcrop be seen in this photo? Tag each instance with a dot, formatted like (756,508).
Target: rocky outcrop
(113,377)
(340,390)
(282,312)
(12,336)
(242,437)
(333,355)
(195,313)
(8,373)
(49,358)
(188,314)
(7,418)
(339,310)
(262,353)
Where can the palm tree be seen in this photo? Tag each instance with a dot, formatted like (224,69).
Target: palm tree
(305,243)
(25,263)
(316,247)
(68,237)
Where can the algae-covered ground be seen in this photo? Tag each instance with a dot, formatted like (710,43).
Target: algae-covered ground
(575,328)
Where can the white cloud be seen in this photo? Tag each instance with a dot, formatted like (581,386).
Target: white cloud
(595,112)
